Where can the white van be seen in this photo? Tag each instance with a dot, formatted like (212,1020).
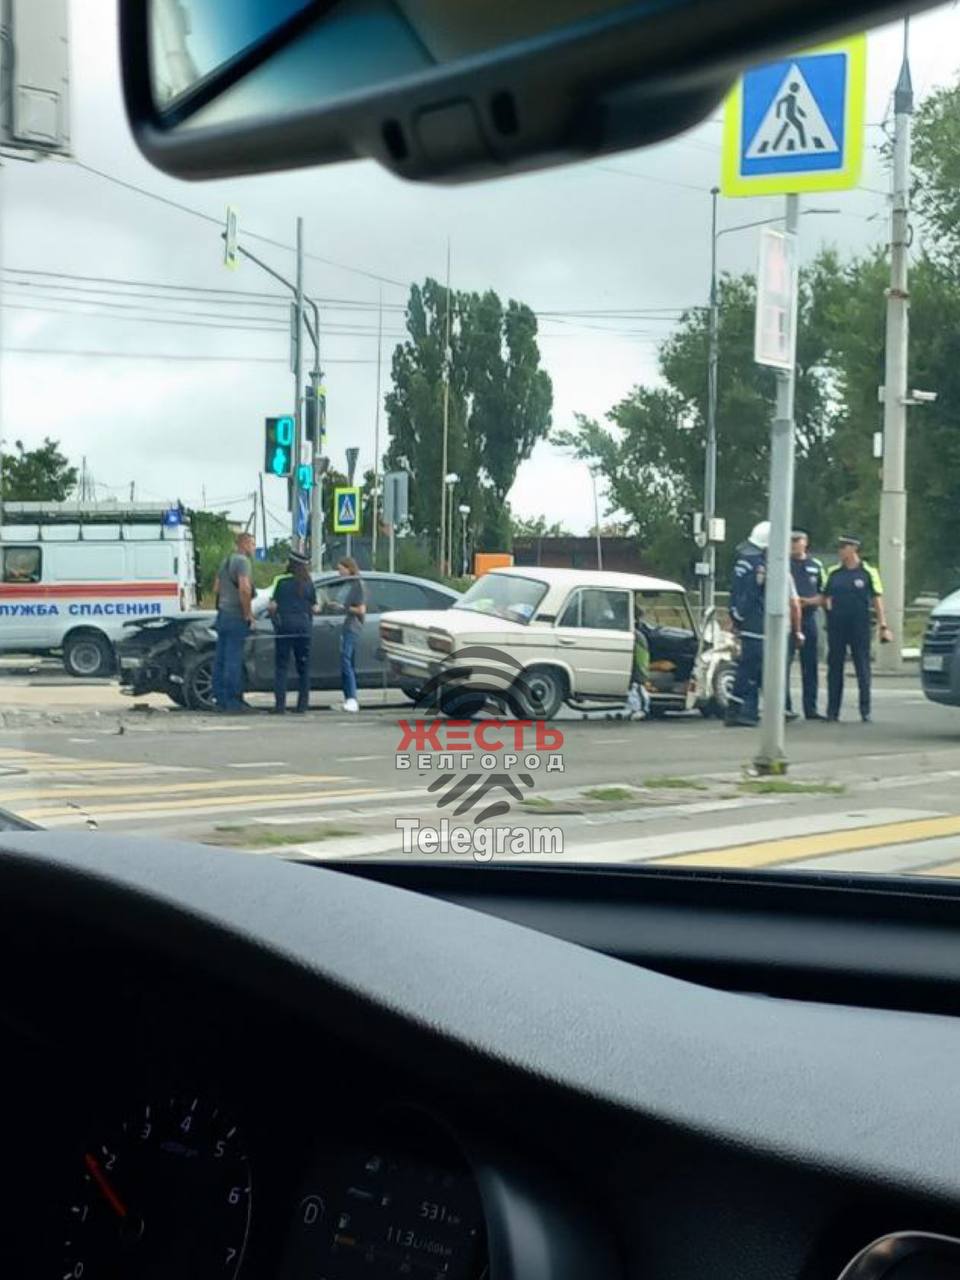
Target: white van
(72,574)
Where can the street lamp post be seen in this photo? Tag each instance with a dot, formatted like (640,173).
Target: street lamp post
(708,586)
(450,481)
(464,512)
(596,518)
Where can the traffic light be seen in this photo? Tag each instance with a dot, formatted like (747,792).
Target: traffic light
(278,456)
(315,411)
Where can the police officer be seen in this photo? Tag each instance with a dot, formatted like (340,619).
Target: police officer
(747,597)
(851,587)
(808,578)
(293,602)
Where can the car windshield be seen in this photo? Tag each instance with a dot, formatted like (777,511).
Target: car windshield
(505,595)
(232,528)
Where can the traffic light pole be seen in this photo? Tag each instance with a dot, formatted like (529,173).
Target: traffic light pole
(296,288)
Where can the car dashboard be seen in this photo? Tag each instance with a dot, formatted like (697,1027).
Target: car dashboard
(227,1065)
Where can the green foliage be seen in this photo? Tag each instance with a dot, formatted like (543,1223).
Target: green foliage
(43,474)
(498,405)
(537,527)
(936,163)
(213,541)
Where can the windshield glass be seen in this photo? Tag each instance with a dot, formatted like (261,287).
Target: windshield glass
(230,532)
(505,595)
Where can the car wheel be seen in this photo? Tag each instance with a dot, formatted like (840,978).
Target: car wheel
(540,693)
(176,694)
(723,678)
(198,684)
(87,655)
(462,704)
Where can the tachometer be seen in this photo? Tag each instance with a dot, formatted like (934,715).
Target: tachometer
(166,1193)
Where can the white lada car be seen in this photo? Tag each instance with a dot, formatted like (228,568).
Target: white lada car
(533,639)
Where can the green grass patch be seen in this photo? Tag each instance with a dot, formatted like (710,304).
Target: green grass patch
(255,836)
(675,784)
(609,793)
(781,787)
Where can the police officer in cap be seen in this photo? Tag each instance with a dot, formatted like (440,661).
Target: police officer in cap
(293,602)
(808,578)
(851,588)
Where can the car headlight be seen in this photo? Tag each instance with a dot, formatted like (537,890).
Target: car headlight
(440,642)
(391,632)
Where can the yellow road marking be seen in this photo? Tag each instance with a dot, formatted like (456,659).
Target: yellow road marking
(948,869)
(202,802)
(769,853)
(79,791)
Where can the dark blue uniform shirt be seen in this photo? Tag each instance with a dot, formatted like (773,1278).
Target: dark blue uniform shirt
(294,601)
(747,589)
(851,591)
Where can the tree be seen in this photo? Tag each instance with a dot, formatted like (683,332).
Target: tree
(43,474)
(498,404)
(653,458)
(537,527)
(213,541)
(936,166)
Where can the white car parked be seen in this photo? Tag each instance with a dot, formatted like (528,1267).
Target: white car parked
(533,639)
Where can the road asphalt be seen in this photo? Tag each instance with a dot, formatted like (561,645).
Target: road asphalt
(857,797)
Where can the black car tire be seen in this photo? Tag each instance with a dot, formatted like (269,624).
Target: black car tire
(723,678)
(198,683)
(87,655)
(462,704)
(538,694)
(175,693)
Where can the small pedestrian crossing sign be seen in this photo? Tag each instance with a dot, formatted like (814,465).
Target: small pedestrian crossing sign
(346,509)
(797,124)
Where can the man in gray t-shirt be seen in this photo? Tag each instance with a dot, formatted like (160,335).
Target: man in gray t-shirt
(234,589)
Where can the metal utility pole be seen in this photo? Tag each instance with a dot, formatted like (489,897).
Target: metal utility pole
(263,515)
(893,499)
(708,584)
(376,439)
(596,519)
(298,531)
(446,419)
(771,757)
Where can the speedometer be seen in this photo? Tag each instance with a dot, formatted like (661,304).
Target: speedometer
(165,1193)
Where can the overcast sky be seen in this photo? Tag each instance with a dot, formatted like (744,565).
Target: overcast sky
(630,232)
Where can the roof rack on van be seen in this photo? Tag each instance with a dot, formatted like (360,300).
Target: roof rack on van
(108,512)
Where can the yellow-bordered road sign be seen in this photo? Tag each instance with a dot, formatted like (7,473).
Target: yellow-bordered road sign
(346,509)
(797,124)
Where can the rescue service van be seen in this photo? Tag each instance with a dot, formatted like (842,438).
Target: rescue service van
(72,575)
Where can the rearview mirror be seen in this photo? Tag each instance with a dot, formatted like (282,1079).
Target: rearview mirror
(434,89)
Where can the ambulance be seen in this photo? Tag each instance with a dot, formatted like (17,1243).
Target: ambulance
(73,574)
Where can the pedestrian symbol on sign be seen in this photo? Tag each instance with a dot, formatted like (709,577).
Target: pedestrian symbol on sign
(793,124)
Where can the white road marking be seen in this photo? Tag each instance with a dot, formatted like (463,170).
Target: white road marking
(649,848)
(358,759)
(258,764)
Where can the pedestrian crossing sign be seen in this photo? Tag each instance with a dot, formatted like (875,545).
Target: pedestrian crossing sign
(797,124)
(346,509)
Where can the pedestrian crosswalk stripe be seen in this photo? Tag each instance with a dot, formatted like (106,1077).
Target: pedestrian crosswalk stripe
(80,791)
(948,870)
(770,853)
(53,815)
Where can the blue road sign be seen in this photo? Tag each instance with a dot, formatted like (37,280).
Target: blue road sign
(303,513)
(797,124)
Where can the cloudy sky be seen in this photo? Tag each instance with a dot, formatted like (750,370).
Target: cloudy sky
(156,389)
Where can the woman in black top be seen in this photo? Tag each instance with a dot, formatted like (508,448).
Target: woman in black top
(293,602)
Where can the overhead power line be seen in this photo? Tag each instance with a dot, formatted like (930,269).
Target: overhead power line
(163,355)
(218,222)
